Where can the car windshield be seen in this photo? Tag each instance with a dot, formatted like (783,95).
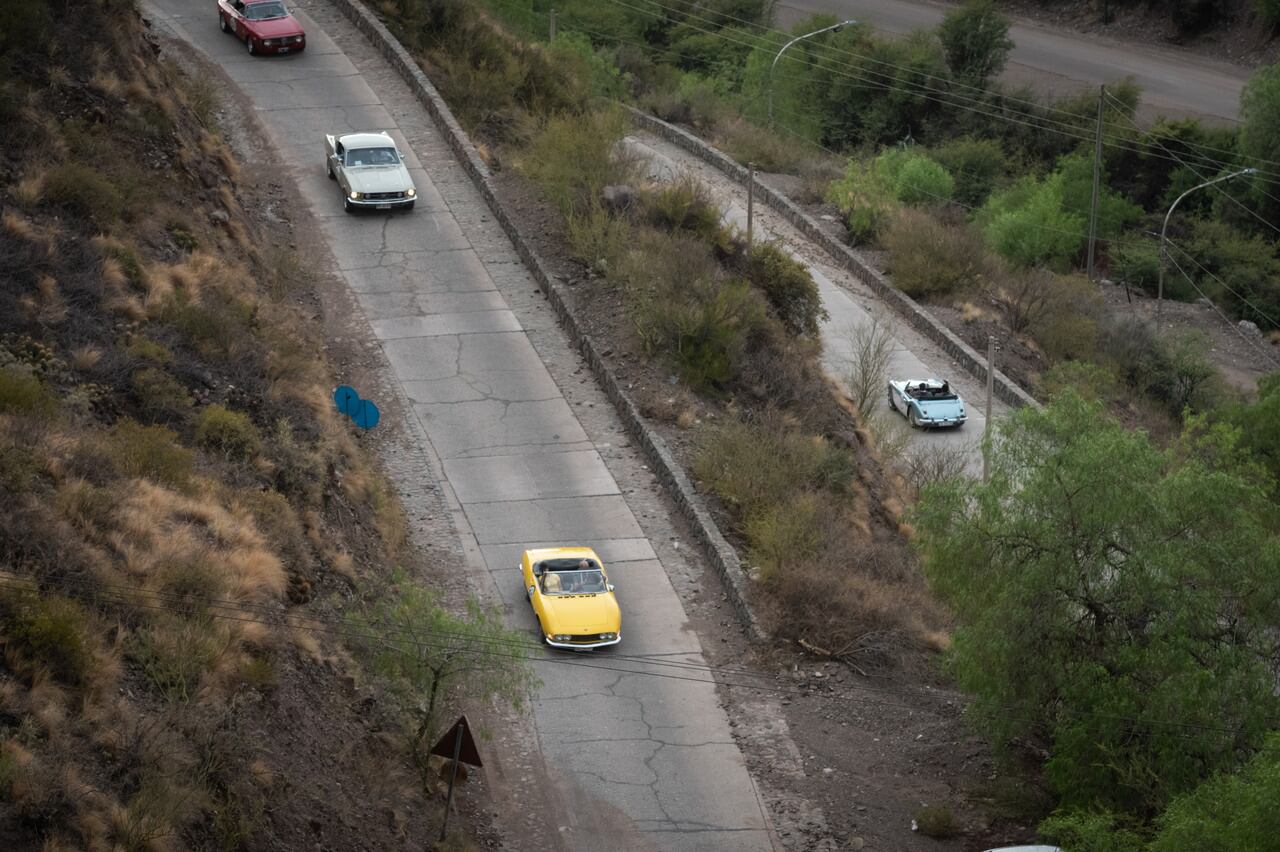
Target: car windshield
(372,157)
(573,582)
(932,392)
(264,11)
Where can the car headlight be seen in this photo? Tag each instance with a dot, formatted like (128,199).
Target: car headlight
(355,196)
(561,637)
(608,635)
(410,192)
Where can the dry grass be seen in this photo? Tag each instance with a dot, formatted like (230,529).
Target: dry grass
(29,189)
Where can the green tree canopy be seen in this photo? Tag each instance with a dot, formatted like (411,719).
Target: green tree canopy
(1260,132)
(1116,599)
(975,39)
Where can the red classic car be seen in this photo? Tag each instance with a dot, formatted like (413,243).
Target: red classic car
(265,26)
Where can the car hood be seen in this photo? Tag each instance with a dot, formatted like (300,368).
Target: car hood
(275,27)
(581,614)
(940,409)
(379,178)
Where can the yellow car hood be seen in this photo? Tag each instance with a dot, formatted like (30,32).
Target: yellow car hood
(597,613)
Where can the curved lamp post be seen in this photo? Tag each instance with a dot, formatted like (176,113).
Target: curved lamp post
(834,28)
(1164,245)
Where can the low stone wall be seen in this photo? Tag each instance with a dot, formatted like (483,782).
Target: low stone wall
(717,550)
(900,302)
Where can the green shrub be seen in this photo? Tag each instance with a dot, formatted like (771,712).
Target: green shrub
(174,653)
(790,289)
(1138,265)
(23,393)
(572,158)
(781,533)
(1064,320)
(1240,273)
(976,166)
(84,191)
(213,328)
(915,179)
(976,40)
(148,350)
(46,632)
(936,822)
(228,432)
(684,205)
(149,451)
(1173,369)
(598,238)
(865,199)
(160,396)
(929,258)
(1092,831)
(767,150)
(704,332)
(753,466)
(1089,381)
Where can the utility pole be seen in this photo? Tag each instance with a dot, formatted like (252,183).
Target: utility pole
(1097,181)
(552,34)
(751,203)
(991,383)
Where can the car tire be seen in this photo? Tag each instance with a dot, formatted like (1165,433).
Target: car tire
(911,418)
(328,167)
(248,42)
(347,205)
(892,405)
(222,23)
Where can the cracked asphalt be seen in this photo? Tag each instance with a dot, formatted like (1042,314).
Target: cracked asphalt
(521,449)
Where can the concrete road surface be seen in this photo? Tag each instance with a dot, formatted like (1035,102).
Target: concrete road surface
(640,762)
(1059,62)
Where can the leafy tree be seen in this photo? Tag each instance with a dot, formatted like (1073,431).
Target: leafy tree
(430,657)
(975,164)
(1117,600)
(1260,131)
(1092,831)
(1259,424)
(1229,813)
(975,38)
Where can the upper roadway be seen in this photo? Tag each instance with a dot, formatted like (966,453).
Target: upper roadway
(1058,62)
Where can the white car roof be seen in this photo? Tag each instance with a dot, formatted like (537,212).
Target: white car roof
(366,140)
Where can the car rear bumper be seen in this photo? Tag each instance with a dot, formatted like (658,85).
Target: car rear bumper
(584,646)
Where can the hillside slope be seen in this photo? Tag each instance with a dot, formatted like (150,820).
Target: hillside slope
(183,517)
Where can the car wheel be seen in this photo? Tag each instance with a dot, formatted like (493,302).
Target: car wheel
(222,23)
(329,168)
(911,418)
(347,205)
(893,405)
(248,42)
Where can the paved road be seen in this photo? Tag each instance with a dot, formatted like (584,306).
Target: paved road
(638,762)
(850,306)
(1058,62)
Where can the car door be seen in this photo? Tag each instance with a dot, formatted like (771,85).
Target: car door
(339,167)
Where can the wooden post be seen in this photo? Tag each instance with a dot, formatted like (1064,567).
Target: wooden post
(751,206)
(552,33)
(991,382)
(1095,200)
(453,775)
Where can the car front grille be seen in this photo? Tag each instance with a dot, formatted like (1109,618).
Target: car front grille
(384,196)
(587,638)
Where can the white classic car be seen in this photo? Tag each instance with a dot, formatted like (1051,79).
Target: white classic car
(370,172)
(927,402)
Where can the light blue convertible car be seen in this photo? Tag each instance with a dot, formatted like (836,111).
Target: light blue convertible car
(927,402)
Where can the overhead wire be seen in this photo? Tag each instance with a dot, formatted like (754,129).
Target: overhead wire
(516,650)
(1252,344)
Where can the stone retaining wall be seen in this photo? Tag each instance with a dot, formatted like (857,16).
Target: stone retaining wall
(717,550)
(900,302)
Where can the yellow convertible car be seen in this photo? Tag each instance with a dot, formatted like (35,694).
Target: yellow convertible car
(572,597)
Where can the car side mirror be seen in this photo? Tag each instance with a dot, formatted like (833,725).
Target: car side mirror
(610,585)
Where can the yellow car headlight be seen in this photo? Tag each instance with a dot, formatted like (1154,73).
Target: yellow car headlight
(355,196)
(608,635)
(562,637)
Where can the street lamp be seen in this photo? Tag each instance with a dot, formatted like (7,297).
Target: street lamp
(1164,245)
(834,28)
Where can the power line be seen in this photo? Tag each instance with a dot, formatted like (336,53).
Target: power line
(1225,319)
(516,650)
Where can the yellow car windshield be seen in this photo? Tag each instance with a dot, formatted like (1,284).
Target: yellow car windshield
(573,582)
